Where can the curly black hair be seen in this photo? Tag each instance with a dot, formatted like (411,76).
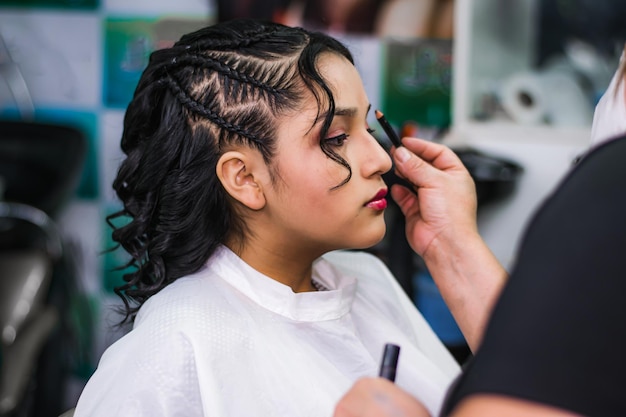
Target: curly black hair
(222,85)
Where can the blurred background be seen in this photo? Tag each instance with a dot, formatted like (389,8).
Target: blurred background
(511,86)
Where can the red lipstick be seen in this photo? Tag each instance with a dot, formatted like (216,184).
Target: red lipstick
(378,202)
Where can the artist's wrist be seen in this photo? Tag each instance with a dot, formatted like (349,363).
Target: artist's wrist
(451,247)
(469,278)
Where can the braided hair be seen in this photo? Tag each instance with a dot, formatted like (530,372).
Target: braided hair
(223,85)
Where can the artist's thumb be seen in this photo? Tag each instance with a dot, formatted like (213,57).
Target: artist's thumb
(412,168)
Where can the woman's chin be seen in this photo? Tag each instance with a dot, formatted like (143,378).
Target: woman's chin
(373,238)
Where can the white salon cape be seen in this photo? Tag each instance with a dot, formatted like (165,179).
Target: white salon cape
(230,341)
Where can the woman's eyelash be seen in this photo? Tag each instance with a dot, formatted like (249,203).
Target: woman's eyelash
(337,140)
(340,139)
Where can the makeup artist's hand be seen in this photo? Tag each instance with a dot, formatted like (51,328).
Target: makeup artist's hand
(441,227)
(378,397)
(445,204)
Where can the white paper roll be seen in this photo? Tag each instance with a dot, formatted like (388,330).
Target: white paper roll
(523,99)
(554,97)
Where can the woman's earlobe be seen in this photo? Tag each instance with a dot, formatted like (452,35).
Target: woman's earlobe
(236,173)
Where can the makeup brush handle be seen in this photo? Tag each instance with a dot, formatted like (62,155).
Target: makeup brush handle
(389,363)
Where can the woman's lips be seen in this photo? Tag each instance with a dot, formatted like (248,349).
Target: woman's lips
(378,202)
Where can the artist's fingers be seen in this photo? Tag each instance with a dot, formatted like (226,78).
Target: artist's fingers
(376,397)
(406,200)
(413,168)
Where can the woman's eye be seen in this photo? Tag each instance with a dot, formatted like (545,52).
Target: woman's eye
(337,140)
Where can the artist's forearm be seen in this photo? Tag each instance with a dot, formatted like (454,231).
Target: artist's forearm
(486,405)
(469,278)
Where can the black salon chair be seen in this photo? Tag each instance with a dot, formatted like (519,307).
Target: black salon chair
(40,167)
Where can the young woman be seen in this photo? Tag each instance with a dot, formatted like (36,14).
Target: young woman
(249,163)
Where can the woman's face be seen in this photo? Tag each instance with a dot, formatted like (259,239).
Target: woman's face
(304,206)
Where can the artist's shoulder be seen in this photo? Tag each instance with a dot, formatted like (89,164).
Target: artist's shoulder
(613,149)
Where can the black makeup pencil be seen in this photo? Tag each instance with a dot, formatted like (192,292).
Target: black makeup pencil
(390,362)
(393,136)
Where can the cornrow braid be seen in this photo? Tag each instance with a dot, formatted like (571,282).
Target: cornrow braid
(223,44)
(197,108)
(206,62)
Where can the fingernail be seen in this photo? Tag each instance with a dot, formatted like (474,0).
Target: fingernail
(402,154)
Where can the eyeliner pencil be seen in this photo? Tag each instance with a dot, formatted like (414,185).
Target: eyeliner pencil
(393,136)
(390,362)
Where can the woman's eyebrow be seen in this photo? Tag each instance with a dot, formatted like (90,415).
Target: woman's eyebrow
(346,111)
(350,111)
(343,111)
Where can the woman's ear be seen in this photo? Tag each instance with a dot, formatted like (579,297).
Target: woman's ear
(240,174)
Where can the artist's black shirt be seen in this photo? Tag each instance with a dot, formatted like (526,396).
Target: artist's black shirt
(558,333)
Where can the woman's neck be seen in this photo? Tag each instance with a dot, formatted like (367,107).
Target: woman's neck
(285,265)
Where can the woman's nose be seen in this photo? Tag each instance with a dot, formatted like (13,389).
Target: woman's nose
(378,160)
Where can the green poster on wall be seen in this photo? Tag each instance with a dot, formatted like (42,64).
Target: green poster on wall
(128,45)
(416,84)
